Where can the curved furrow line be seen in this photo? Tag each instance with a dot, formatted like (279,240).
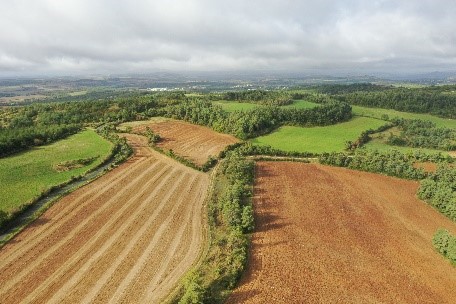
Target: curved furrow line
(119,255)
(135,247)
(37,235)
(146,255)
(169,247)
(189,141)
(81,262)
(159,291)
(170,254)
(33,262)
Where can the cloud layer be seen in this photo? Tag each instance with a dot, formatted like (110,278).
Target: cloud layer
(120,36)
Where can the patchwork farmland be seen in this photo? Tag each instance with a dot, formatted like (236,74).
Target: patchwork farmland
(127,237)
(332,235)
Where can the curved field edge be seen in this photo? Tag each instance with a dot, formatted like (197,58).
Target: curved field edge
(149,178)
(29,212)
(356,237)
(194,143)
(95,155)
(27,175)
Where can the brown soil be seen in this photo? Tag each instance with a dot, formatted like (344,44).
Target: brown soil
(332,235)
(193,142)
(127,237)
(427,166)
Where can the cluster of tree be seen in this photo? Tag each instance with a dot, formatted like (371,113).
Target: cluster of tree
(276,98)
(440,101)
(422,134)
(152,137)
(438,189)
(259,121)
(393,163)
(445,243)
(230,219)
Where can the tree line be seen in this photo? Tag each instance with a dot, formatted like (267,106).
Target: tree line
(231,220)
(422,134)
(438,100)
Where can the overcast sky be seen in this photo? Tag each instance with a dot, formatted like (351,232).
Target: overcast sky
(126,36)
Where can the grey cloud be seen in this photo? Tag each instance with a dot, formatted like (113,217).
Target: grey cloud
(73,36)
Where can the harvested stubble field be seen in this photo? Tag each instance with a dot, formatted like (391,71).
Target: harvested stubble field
(127,237)
(193,142)
(332,235)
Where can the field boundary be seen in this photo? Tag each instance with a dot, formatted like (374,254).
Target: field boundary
(173,295)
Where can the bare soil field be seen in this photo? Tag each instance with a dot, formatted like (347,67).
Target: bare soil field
(427,166)
(193,142)
(127,237)
(332,235)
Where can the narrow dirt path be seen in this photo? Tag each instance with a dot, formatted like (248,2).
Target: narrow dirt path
(127,237)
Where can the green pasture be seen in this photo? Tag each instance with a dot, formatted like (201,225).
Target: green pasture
(26,175)
(232,106)
(377,144)
(301,104)
(318,139)
(377,113)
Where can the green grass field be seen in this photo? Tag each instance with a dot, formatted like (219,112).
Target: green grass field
(318,139)
(379,145)
(377,113)
(301,104)
(231,106)
(26,175)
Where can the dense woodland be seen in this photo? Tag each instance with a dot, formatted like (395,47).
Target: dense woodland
(438,100)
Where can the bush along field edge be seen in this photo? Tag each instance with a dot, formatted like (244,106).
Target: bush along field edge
(12,223)
(230,223)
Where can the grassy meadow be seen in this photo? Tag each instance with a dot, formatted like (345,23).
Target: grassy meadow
(231,106)
(26,175)
(318,139)
(301,104)
(377,113)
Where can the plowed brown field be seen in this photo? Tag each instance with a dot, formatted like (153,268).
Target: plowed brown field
(332,235)
(127,237)
(193,142)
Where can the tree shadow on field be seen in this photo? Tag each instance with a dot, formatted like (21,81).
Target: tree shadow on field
(38,222)
(242,296)
(266,221)
(261,171)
